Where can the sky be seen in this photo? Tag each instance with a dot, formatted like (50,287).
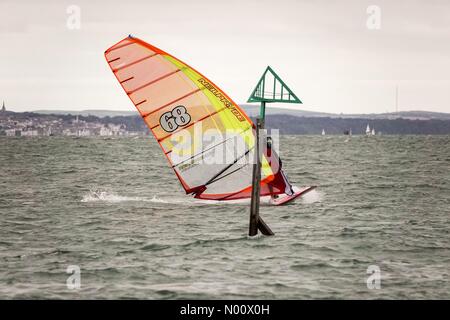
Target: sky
(337,56)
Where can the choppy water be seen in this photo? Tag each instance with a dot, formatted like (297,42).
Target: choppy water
(381,201)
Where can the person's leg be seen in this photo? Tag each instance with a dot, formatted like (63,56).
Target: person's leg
(269,155)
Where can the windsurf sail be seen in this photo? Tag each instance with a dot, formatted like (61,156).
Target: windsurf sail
(182,107)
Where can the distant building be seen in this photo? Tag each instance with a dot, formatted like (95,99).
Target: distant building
(10,132)
(105,131)
(29,133)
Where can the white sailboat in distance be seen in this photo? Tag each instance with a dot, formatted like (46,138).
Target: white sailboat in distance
(368,131)
(323,132)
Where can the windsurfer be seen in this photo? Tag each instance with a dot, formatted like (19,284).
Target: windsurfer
(272,155)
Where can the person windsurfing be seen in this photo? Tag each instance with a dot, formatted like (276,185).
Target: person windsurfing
(273,158)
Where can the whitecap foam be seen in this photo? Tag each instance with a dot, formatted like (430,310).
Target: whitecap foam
(312,196)
(111,197)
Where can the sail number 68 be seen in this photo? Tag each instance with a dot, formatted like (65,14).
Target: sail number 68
(171,120)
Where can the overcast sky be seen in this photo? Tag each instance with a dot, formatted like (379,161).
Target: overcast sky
(324,50)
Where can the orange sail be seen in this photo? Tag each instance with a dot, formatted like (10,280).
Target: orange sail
(179,104)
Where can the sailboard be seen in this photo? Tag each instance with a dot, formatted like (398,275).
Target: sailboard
(280,200)
(178,103)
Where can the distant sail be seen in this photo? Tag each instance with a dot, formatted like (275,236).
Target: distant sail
(373,131)
(173,99)
(368,129)
(323,132)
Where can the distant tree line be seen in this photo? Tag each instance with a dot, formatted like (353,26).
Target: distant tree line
(314,125)
(287,124)
(132,123)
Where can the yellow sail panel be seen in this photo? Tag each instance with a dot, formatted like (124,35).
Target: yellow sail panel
(191,118)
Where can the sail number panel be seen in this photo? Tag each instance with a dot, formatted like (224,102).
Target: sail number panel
(171,120)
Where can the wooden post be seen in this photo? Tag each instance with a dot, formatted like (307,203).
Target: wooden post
(256,179)
(256,222)
(260,94)
(262,114)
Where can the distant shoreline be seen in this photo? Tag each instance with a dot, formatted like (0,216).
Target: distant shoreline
(41,124)
(253,110)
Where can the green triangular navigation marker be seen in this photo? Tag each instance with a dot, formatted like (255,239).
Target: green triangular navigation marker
(271,88)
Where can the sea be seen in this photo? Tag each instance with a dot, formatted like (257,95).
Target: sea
(106,218)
